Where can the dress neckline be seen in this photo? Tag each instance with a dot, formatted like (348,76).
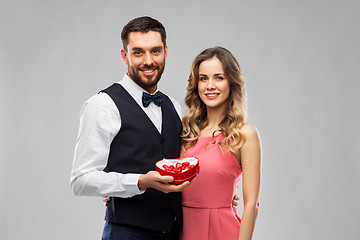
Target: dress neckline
(211,136)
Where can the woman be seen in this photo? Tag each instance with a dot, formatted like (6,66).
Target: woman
(214,130)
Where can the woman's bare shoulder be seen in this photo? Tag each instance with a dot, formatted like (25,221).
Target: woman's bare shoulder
(250,131)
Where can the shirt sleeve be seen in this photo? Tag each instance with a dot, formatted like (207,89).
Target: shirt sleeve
(99,123)
(177,107)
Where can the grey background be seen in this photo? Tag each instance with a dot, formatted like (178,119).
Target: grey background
(301,62)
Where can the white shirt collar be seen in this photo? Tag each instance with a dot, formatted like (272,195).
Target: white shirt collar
(133,89)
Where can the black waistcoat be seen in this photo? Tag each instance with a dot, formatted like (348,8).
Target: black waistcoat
(136,149)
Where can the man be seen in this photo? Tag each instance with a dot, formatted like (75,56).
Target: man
(123,131)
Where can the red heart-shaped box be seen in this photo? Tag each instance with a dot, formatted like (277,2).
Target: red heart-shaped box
(182,169)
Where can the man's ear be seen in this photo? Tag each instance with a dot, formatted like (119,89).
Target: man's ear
(166,51)
(124,56)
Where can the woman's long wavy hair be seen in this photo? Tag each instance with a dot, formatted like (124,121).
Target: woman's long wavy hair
(235,114)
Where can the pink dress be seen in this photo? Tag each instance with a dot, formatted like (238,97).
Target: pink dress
(208,214)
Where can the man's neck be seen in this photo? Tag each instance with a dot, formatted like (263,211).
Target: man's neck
(151,89)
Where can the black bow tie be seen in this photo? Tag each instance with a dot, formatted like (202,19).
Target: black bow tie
(147,98)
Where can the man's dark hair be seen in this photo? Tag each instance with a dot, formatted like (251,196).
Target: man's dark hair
(142,24)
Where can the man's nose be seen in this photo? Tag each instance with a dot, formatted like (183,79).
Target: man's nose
(148,59)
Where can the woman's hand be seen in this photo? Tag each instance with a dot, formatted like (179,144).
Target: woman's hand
(105,200)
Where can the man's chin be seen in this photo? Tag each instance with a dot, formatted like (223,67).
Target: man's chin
(146,84)
(149,78)
(145,81)
(150,81)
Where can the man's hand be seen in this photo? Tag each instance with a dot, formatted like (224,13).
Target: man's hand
(153,179)
(235,201)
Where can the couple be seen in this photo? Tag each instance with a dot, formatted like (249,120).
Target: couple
(130,125)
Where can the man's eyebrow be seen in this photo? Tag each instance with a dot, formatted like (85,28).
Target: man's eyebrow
(136,49)
(141,49)
(157,48)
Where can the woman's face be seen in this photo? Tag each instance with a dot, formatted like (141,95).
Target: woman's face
(213,86)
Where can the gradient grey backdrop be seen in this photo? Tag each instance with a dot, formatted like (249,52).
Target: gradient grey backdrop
(301,60)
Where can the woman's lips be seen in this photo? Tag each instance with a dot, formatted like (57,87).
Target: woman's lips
(212,95)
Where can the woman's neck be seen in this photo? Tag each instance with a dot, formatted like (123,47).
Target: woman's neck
(214,118)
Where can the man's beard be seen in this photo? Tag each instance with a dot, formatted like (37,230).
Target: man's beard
(134,75)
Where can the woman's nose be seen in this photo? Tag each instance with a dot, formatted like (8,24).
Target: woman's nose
(210,84)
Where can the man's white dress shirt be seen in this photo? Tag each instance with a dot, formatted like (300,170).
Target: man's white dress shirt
(99,123)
